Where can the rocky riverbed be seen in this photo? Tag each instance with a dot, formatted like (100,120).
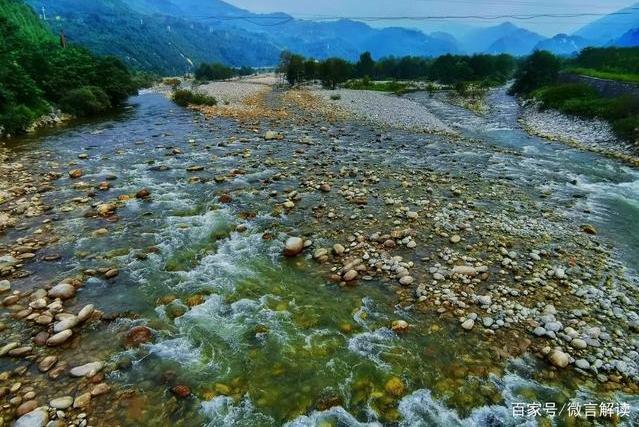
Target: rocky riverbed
(279,261)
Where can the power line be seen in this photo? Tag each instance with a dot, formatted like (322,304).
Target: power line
(523,17)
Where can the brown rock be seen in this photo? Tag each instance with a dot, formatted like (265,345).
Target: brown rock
(143,194)
(181,391)
(75,173)
(26,407)
(138,335)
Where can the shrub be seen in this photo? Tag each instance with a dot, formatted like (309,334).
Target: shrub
(539,69)
(214,71)
(336,97)
(17,119)
(85,101)
(184,98)
(555,96)
(627,128)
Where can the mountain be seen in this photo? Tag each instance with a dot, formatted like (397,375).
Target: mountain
(517,43)
(563,44)
(629,39)
(611,27)
(502,38)
(160,43)
(171,36)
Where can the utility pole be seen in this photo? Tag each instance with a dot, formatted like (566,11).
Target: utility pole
(63,39)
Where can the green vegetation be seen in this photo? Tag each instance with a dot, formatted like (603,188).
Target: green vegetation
(367,84)
(217,71)
(538,78)
(608,75)
(610,63)
(539,69)
(487,70)
(186,97)
(214,71)
(39,74)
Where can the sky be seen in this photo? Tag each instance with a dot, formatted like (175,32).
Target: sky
(312,9)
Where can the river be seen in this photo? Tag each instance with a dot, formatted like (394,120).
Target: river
(260,339)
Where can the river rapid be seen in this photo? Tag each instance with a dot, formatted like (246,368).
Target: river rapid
(241,335)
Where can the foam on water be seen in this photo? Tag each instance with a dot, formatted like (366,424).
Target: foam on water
(372,345)
(222,411)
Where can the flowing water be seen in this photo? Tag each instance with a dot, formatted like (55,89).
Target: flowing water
(262,340)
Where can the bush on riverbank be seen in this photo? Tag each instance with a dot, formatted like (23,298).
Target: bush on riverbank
(184,98)
(538,77)
(38,74)
(583,101)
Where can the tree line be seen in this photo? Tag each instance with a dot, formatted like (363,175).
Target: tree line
(218,71)
(38,74)
(447,69)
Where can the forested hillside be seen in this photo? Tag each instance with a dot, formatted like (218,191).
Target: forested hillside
(39,74)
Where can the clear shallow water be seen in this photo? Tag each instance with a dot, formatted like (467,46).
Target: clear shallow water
(605,192)
(262,341)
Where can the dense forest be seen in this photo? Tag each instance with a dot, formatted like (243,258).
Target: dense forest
(447,69)
(39,73)
(539,78)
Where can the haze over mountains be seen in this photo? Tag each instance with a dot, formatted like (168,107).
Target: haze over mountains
(171,36)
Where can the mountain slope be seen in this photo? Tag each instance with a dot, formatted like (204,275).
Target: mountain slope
(170,36)
(518,43)
(611,27)
(563,44)
(502,38)
(629,39)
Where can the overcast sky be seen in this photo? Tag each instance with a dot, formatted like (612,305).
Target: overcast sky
(352,8)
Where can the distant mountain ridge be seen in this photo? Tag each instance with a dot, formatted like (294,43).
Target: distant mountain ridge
(172,36)
(611,27)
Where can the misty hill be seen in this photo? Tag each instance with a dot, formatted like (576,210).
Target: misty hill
(502,38)
(563,44)
(629,39)
(170,36)
(611,27)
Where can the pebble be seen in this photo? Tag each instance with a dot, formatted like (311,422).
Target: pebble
(350,275)
(82,400)
(558,358)
(47,363)
(61,402)
(468,324)
(65,323)
(59,338)
(455,239)
(5,286)
(87,370)
(464,270)
(293,246)
(36,418)
(62,291)
(86,312)
(406,280)
(399,326)
(26,407)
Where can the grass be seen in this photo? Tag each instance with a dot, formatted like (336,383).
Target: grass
(184,98)
(581,100)
(363,84)
(608,75)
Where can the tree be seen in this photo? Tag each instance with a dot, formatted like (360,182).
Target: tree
(539,69)
(334,71)
(365,66)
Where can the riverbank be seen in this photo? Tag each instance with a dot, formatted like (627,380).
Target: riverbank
(586,134)
(300,267)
